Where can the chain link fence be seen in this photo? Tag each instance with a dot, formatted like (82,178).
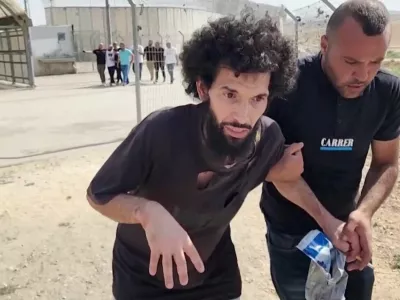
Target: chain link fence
(312,20)
(304,26)
(161,80)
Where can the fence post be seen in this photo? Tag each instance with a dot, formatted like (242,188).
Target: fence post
(296,27)
(329,4)
(281,15)
(108,23)
(161,38)
(136,59)
(183,37)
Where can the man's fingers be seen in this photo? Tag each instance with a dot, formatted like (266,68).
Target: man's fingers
(355,265)
(354,241)
(293,148)
(154,258)
(342,246)
(181,267)
(349,228)
(194,256)
(365,254)
(167,270)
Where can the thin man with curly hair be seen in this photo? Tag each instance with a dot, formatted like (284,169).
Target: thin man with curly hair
(182,174)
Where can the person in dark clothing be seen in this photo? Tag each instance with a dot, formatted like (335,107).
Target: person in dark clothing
(111,63)
(149,52)
(183,173)
(117,63)
(100,53)
(159,61)
(343,105)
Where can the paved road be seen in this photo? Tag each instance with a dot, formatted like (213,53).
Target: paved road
(74,110)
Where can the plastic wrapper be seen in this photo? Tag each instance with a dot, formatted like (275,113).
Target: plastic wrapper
(327,278)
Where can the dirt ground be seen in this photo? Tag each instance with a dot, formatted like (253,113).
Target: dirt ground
(54,246)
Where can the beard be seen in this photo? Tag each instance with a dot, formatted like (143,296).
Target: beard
(225,146)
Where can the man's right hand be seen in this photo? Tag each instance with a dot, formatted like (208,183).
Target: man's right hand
(169,240)
(346,242)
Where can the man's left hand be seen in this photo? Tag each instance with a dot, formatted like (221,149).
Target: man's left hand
(290,167)
(333,228)
(359,223)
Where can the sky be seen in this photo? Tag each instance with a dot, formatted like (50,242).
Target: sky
(36,9)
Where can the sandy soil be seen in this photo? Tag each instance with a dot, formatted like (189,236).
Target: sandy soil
(54,246)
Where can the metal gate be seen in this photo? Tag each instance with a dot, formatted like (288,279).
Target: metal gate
(15,61)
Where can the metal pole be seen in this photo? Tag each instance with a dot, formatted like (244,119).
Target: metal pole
(296,27)
(108,23)
(26,7)
(329,4)
(296,36)
(52,13)
(29,57)
(136,58)
(10,56)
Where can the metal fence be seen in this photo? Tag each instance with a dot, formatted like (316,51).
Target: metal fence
(15,65)
(311,24)
(155,89)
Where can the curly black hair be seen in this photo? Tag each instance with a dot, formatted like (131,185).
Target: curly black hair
(245,45)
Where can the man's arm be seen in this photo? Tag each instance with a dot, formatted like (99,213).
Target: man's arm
(381,176)
(112,191)
(285,174)
(378,184)
(299,193)
(123,208)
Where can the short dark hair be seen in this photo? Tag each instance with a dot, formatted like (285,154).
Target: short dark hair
(372,15)
(245,45)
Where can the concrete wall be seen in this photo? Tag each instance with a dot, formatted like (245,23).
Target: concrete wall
(50,42)
(160,24)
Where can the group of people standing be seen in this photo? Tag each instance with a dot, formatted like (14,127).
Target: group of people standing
(157,57)
(118,59)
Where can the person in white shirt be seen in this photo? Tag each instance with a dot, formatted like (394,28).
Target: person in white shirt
(171,59)
(110,62)
(140,52)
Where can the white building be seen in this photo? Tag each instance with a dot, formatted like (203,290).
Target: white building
(159,20)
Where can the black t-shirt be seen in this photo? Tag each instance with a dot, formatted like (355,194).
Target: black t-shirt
(159,54)
(116,57)
(160,160)
(149,52)
(337,134)
(100,56)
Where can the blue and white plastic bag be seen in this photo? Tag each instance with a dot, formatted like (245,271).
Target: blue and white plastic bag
(327,278)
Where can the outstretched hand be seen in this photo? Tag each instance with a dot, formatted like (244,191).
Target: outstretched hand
(168,240)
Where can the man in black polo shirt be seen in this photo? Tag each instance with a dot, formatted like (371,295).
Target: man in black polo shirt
(100,53)
(117,63)
(149,53)
(159,61)
(182,174)
(343,104)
